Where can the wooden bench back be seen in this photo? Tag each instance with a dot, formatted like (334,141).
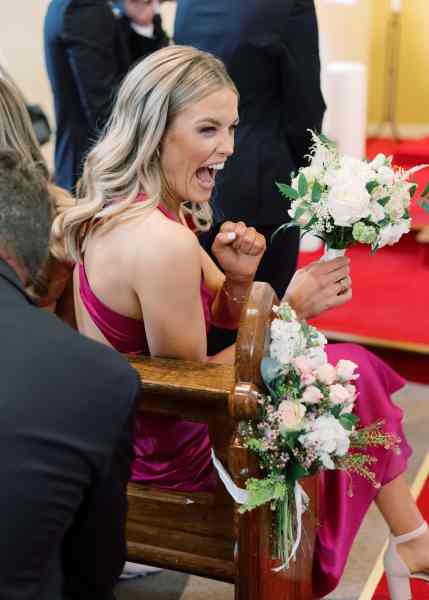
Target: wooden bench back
(203,533)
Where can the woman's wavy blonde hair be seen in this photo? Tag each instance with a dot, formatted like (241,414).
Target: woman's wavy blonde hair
(126,159)
(16,131)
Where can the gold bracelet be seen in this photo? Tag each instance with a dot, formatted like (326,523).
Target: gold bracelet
(232,297)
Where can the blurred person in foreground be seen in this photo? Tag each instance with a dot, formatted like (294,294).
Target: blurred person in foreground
(16,132)
(89,47)
(65,431)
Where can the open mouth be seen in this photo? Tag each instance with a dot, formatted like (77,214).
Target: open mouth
(206,175)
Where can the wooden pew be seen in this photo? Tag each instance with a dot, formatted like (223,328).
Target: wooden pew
(203,533)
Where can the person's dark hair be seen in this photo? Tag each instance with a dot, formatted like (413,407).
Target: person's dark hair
(25,211)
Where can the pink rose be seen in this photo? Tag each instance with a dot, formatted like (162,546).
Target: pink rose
(290,415)
(338,394)
(346,370)
(326,374)
(312,395)
(303,364)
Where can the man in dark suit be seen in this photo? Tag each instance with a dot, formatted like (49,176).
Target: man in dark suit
(65,429)
(270,48)
(89,47)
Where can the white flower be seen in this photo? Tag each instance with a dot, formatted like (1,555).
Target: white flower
(339,394)
(290,415)
(378,162)
(385,176)
(312,395)
(326,374)
(376,212)
(287,340)
(348,202)
(353,168)
(311,173)
(322,157)
(396,205)
(328,437)
(391,234)
(346,370)
(317,357)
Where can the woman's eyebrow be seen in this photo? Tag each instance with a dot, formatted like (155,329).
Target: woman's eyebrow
(215,121)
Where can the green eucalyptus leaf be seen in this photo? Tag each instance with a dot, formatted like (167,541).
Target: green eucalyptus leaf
(425,206)
(316,192)
(302,185)
(384,201)
(413,189)
(371,185)
(426,190)
(348,420)
(287,191)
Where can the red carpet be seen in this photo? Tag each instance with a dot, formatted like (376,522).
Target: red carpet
(419,589)
(390,307)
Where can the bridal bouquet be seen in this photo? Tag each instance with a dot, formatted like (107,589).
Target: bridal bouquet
(345,201)
(306,425)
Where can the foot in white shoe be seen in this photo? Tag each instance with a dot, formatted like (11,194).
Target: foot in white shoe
(133,570)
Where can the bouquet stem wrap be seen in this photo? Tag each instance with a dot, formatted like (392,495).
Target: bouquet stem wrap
(331,253)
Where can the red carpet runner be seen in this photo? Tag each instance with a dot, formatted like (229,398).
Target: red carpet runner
(419,589)
(390,306)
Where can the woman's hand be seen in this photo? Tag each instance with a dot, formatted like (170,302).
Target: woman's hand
(238,250)
(320,286)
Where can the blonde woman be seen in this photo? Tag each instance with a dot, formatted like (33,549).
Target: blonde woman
(17,132)
(143,284)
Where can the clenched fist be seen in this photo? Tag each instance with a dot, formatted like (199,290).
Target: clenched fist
(238,250)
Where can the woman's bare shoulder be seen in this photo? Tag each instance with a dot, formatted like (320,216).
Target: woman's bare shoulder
(164,243)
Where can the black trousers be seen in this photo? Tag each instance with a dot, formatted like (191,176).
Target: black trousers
(276,268)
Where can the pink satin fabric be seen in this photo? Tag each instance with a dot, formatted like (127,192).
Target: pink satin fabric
(169,453)
(341,515)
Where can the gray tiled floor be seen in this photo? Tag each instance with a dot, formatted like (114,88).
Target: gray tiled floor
(414,399)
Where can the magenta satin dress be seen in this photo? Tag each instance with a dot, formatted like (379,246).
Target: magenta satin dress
(174,454)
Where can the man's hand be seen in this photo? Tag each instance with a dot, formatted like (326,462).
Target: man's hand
(319,287)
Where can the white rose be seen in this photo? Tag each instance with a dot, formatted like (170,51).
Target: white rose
(356,169)
(391,234)
(376,212)
(348,202)
(312,395)
(290,415)
(339,394)
(385,176)
(326,374)
(328,437)
(346,370)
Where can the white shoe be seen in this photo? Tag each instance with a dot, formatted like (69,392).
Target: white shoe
(133,570)
(397,573)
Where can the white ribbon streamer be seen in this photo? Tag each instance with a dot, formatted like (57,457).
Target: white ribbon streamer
(241,496)
(238,494)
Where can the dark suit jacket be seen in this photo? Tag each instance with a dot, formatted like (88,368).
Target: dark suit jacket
(270,48)
(88,51)
(66,405)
